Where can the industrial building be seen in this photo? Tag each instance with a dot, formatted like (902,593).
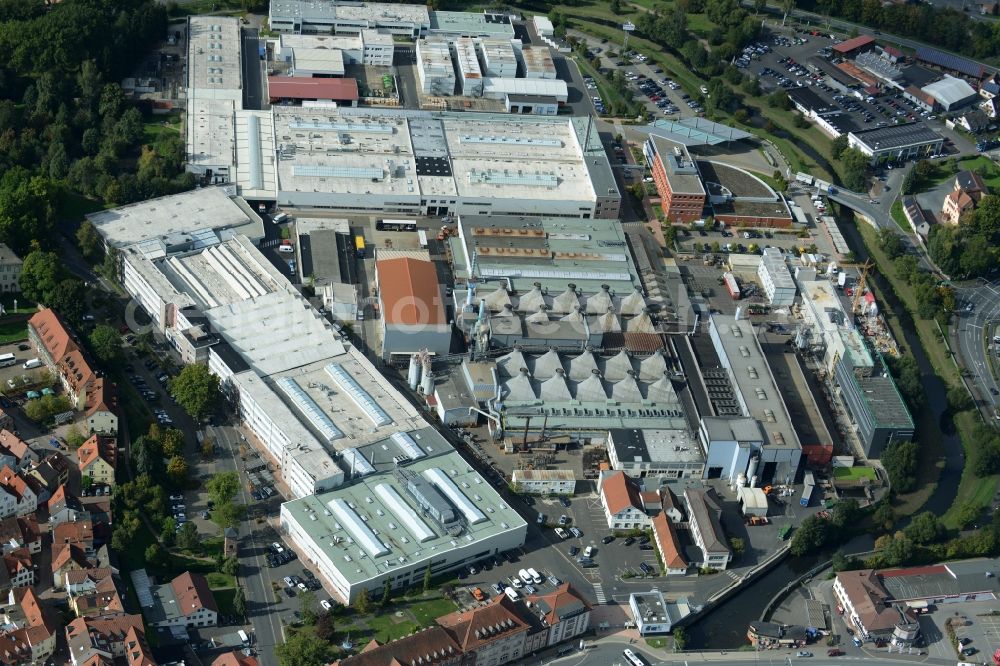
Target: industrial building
(775,278)
(862,382)
(896,142)
(470,75)
(545,481)
(682,194)
(424,163)
(666,454)
(330,17)
(951,93)
(326,55)
(410,507)
(499,59)
(757,438)
(435,70)
(537,62)
(307,398)
(411,307)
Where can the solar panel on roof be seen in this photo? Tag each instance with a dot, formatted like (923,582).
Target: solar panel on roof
(949,61)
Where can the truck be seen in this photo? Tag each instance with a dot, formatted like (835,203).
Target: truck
(732,286)
(804,178)
(808,484)
(422,237)
(535,577)
(244,638)
(525,576)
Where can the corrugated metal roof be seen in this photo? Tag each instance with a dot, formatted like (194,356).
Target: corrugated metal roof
(302,88)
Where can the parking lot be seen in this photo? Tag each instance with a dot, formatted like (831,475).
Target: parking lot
(973,624)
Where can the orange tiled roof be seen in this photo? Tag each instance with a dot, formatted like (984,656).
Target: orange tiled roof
(620,492)
(192,593)
(666,537)
(485,624)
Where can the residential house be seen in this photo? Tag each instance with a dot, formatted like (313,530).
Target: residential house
(107,637)
(563,613)
(48,475)
(78,533)
(94,594)
(185,602)
(706,528)
(914,214)
(665,536)
(60,352)
(64,507)
(434,646)
(989,88)
(68,558)
(101,409)
(28,634)
(235,658)
(20,532)
(20,569)
(10,270)
(622,502)
(137,652)
(965,195)
(97,459)
(974,121)
(491,634)
(868,608)
(22,498)
(991,107)
(15,452)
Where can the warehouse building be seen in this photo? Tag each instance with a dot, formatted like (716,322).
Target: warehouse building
(435,70)
(369,47)
(415,506)
(348,18)
(545,481)
(667,454)
(470,75)
(951,93)
(424,163)
(498,57)
(305,396)
(759,440)
(775,278)
(411,307)
(537,63)
(470,24)
(896,142)
(298,89)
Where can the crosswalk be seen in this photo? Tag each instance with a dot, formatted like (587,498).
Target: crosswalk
(732,574)
(599,594)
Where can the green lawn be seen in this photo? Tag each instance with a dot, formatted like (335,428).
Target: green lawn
(992,171)
(219,580)
(898,217)
(854,473)
(170,123)
(75,206)
(427,611)
(972,489)
(388,627)
(224,600)
(13,331)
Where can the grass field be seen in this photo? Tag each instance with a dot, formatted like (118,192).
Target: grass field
(898,217)
(387,628)
(13,331)
(854,473)
(427,611)
(972,489)
(992,172)
(170,123)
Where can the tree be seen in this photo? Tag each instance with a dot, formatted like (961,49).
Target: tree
(890,242)
(324,626)
(240,602)
(427,578)
(985,451)
(231,566)
(841,562)
(308,606)
(168,535)
(196,390)
(810,537)
(89,241)
(362,604)
(222,488)
(303,648)
(959,399)
(172,441)
(899,551)
(900,462)
(177,470)
(228,514)
(884,515)
(207,447)
(925,529)
(855,169)
(838,146)
(787,6)
(106,344)
(41,410)
(680,639)
(154,554)
(74,438)
(968,513)
(846,514)
(41,273)
(187,538)
(738,545)
(386,593)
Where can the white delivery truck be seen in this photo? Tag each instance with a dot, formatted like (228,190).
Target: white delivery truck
(536,579)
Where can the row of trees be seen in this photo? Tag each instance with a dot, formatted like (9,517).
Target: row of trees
(973,247)
(934,300)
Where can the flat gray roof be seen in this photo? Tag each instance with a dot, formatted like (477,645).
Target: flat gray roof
(739,351)
(372,526)
(682,174)
(897,136)
(695,131)
(468,24)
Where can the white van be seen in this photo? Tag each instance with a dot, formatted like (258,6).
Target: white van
(588,551)
(512,594)
(280,217)
(288,249)
(33,363)
(525,576)
(537,579)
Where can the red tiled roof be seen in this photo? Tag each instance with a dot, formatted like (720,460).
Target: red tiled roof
(620,493)
(563,598)
(67,554)
(670,546)
(484,624)
(192,593)
(852,44)
(234,658)
(52,333)
(423,645)
(97,446)
(79,532)
(17,446)
(102,397)
(295,87)
(14,483)
(409,292)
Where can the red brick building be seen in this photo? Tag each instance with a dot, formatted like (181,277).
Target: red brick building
(682,194)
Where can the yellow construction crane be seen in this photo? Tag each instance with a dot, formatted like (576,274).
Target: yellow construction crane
(859,288)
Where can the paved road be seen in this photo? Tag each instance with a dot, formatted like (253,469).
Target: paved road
(975,330)
(403,59)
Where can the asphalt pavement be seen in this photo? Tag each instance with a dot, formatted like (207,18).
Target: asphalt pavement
(974,338)
(253,71)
